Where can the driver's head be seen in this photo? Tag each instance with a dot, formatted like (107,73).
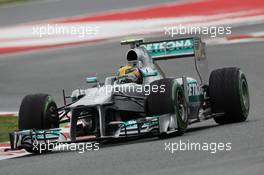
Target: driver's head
(129,74)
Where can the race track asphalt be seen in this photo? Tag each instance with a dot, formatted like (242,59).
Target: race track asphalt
(54,69)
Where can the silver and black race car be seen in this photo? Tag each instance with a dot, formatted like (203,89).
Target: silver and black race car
(157,106)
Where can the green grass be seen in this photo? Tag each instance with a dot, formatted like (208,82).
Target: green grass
(11,1)
(7,125)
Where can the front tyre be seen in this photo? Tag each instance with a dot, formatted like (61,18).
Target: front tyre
(38,111)
(228,90)
(172,102)
(180,108)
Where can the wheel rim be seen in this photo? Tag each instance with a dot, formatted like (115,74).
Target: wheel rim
(244,95)
(182,109)
(52,115)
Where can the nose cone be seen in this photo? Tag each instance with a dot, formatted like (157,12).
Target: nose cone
(94,96)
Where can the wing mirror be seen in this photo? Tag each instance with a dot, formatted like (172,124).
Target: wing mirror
(149,73)
(91,80)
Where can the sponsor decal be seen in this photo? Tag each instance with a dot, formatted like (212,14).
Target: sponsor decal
(194,89)
(170,48)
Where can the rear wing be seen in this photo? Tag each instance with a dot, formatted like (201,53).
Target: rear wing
(181,48)
(176,48)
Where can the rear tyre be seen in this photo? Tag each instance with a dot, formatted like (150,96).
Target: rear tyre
(171,101)
(228,90)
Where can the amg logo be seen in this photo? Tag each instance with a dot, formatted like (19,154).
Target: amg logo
(168,45)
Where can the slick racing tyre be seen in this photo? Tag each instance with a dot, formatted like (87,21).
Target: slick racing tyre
(171,101)
(228,91)
(38,111)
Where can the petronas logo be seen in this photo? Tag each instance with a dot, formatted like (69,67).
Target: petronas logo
(169,45)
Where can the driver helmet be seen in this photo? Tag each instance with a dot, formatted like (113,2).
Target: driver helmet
(129,74)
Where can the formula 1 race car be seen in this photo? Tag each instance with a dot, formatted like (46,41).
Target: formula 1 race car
(155,106)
